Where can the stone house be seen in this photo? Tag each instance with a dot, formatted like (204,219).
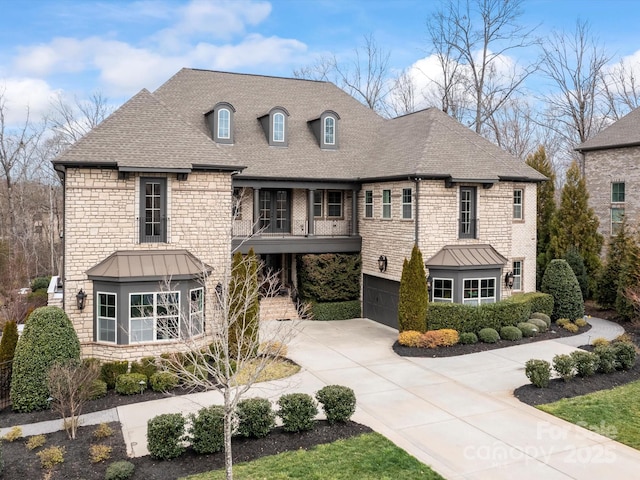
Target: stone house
(174,181)
(611,166)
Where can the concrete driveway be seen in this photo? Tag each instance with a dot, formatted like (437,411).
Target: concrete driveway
(458,414)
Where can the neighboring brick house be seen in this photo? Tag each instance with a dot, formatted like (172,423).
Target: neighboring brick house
(611,166)
(175,180)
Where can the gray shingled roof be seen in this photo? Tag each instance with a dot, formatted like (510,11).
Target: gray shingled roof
(625,132)
(168,129)
(143,133)
(466,256)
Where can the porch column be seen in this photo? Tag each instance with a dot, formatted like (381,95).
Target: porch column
(256,210)
(354,212)
(310,226)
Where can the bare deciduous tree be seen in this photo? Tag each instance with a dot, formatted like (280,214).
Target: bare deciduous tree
(621,89)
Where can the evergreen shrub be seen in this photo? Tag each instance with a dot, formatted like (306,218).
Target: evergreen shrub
(488,335)
(560,282)
(338,402)
(538,322)
(256,417)
(207,430)
(344,310)
(538,372)
(121,470)
(413,297)
(131,383)
(163,381)
(607,360)
(164,436)
(410,338)
(564,366)
(445,337)
(544,317)
(586,362)
(528,329)
(329,277)
(109,372)
(468,338)
(147,366)
(98,389)
(510,333)
(625,355)
(297,412)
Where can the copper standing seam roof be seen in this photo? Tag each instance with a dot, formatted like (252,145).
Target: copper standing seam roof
(466,256)
(146,265)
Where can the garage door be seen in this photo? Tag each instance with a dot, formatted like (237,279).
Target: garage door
(380,300)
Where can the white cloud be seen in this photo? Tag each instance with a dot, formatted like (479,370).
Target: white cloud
(26,98)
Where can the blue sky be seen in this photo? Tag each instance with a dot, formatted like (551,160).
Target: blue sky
(77,47)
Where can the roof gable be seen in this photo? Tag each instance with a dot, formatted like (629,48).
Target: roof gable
(622,133)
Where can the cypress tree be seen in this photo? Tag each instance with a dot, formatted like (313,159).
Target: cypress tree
(546,206)
(560,282)
(629,279)
(576,224)
(244,305)
(576,263)
(413,297)
(617,252)
(9,341)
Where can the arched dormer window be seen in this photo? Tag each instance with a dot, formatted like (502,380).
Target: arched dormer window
(220,120)
(326,129)
(329,130)
(275,126)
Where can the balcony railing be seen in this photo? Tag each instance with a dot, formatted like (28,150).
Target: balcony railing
(321,228)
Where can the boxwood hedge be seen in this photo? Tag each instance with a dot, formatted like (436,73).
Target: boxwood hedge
(336,310)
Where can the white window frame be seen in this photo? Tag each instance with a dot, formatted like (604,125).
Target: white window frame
(226,124)
(154,318)
(278,138)
(368,204)
(329,130)
(100,318)
(517,275)
(518,207)
(386,206)
(407,206)
(195,313)
(616,225)
(479,300)
(442,299)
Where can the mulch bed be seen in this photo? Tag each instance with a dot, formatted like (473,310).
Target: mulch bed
(21,463)
(460,349)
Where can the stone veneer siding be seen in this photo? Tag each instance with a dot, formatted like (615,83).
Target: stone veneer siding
(100,218)
(438,223)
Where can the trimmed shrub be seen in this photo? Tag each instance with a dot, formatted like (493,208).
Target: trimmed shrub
(600,341)
(606,358)
(502,314)
(131,383)
(99,453)
(576,262)
(36,441)
(297,411)
(468,338)
(338,402)
(510,333)
(488,335)
(102,431)
(50,457)
(410,338)
(571,327)
(528,329)
(164,436)
(40,283)
(207,429)
(541,324)
(110,371)
(561,322)
(8,341)
(560,282)
(538,372)
(13,434)
(564,366)
(544,317)
(413,297)
(48,337)
(625,355)
(98,389)
(256,417)
(336,310)
(580,322)
(121,470)
(625,337)
(586,363)
(164,381)
(445,337)
(147,366)
(329,277)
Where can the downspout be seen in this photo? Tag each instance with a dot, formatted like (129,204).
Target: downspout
(417,215)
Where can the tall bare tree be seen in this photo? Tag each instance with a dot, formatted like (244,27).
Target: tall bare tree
(402,97)
(473,40)
(621,89)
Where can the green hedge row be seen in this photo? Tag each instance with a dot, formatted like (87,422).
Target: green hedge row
(468,318)
(329,277)
(336,310)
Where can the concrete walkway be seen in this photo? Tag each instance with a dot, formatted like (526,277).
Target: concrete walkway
(456,414)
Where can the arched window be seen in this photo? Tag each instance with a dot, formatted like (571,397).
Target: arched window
(224,123)
(278,127)
(329,131)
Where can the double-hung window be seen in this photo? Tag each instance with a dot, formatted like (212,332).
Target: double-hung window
(617,206)
(154,316)
(196,311)
(318,198)
(517,204)
(368,204)
(386,203)
(406,203)
(467,221)
(153,210)
(106,306)
(334,204)
(517,275)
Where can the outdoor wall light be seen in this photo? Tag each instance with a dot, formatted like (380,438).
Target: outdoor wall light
(382,263)
(80,299)
(508,280)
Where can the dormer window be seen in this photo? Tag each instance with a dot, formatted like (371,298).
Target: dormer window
(274,125)
(220,120)
(325,129)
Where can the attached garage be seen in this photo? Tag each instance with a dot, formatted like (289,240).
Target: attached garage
(380,300)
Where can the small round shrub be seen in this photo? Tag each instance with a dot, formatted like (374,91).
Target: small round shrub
(539,372)
(606,358)
(297,411)
(131,383)
(256,417)
(571,327)
(580,322)
(207,430)
(561,283)
(444,337)
(600,341)
(625,355)
(110,371)
(163,381)
(541,324)
(564,366)
(121,470)
(488,335)
(338,402)
(468,338)
(98,389)
(528,329)
(164,436)
(510,333)
(50,457)
(147,366)
(410,338)
(542,316)
(586,362)
(561,322)
(40,283)
(48,337)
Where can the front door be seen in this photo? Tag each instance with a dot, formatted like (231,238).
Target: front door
(275,211)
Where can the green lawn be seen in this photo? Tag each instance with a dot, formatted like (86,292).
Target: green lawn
(369,456)
(614,413)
